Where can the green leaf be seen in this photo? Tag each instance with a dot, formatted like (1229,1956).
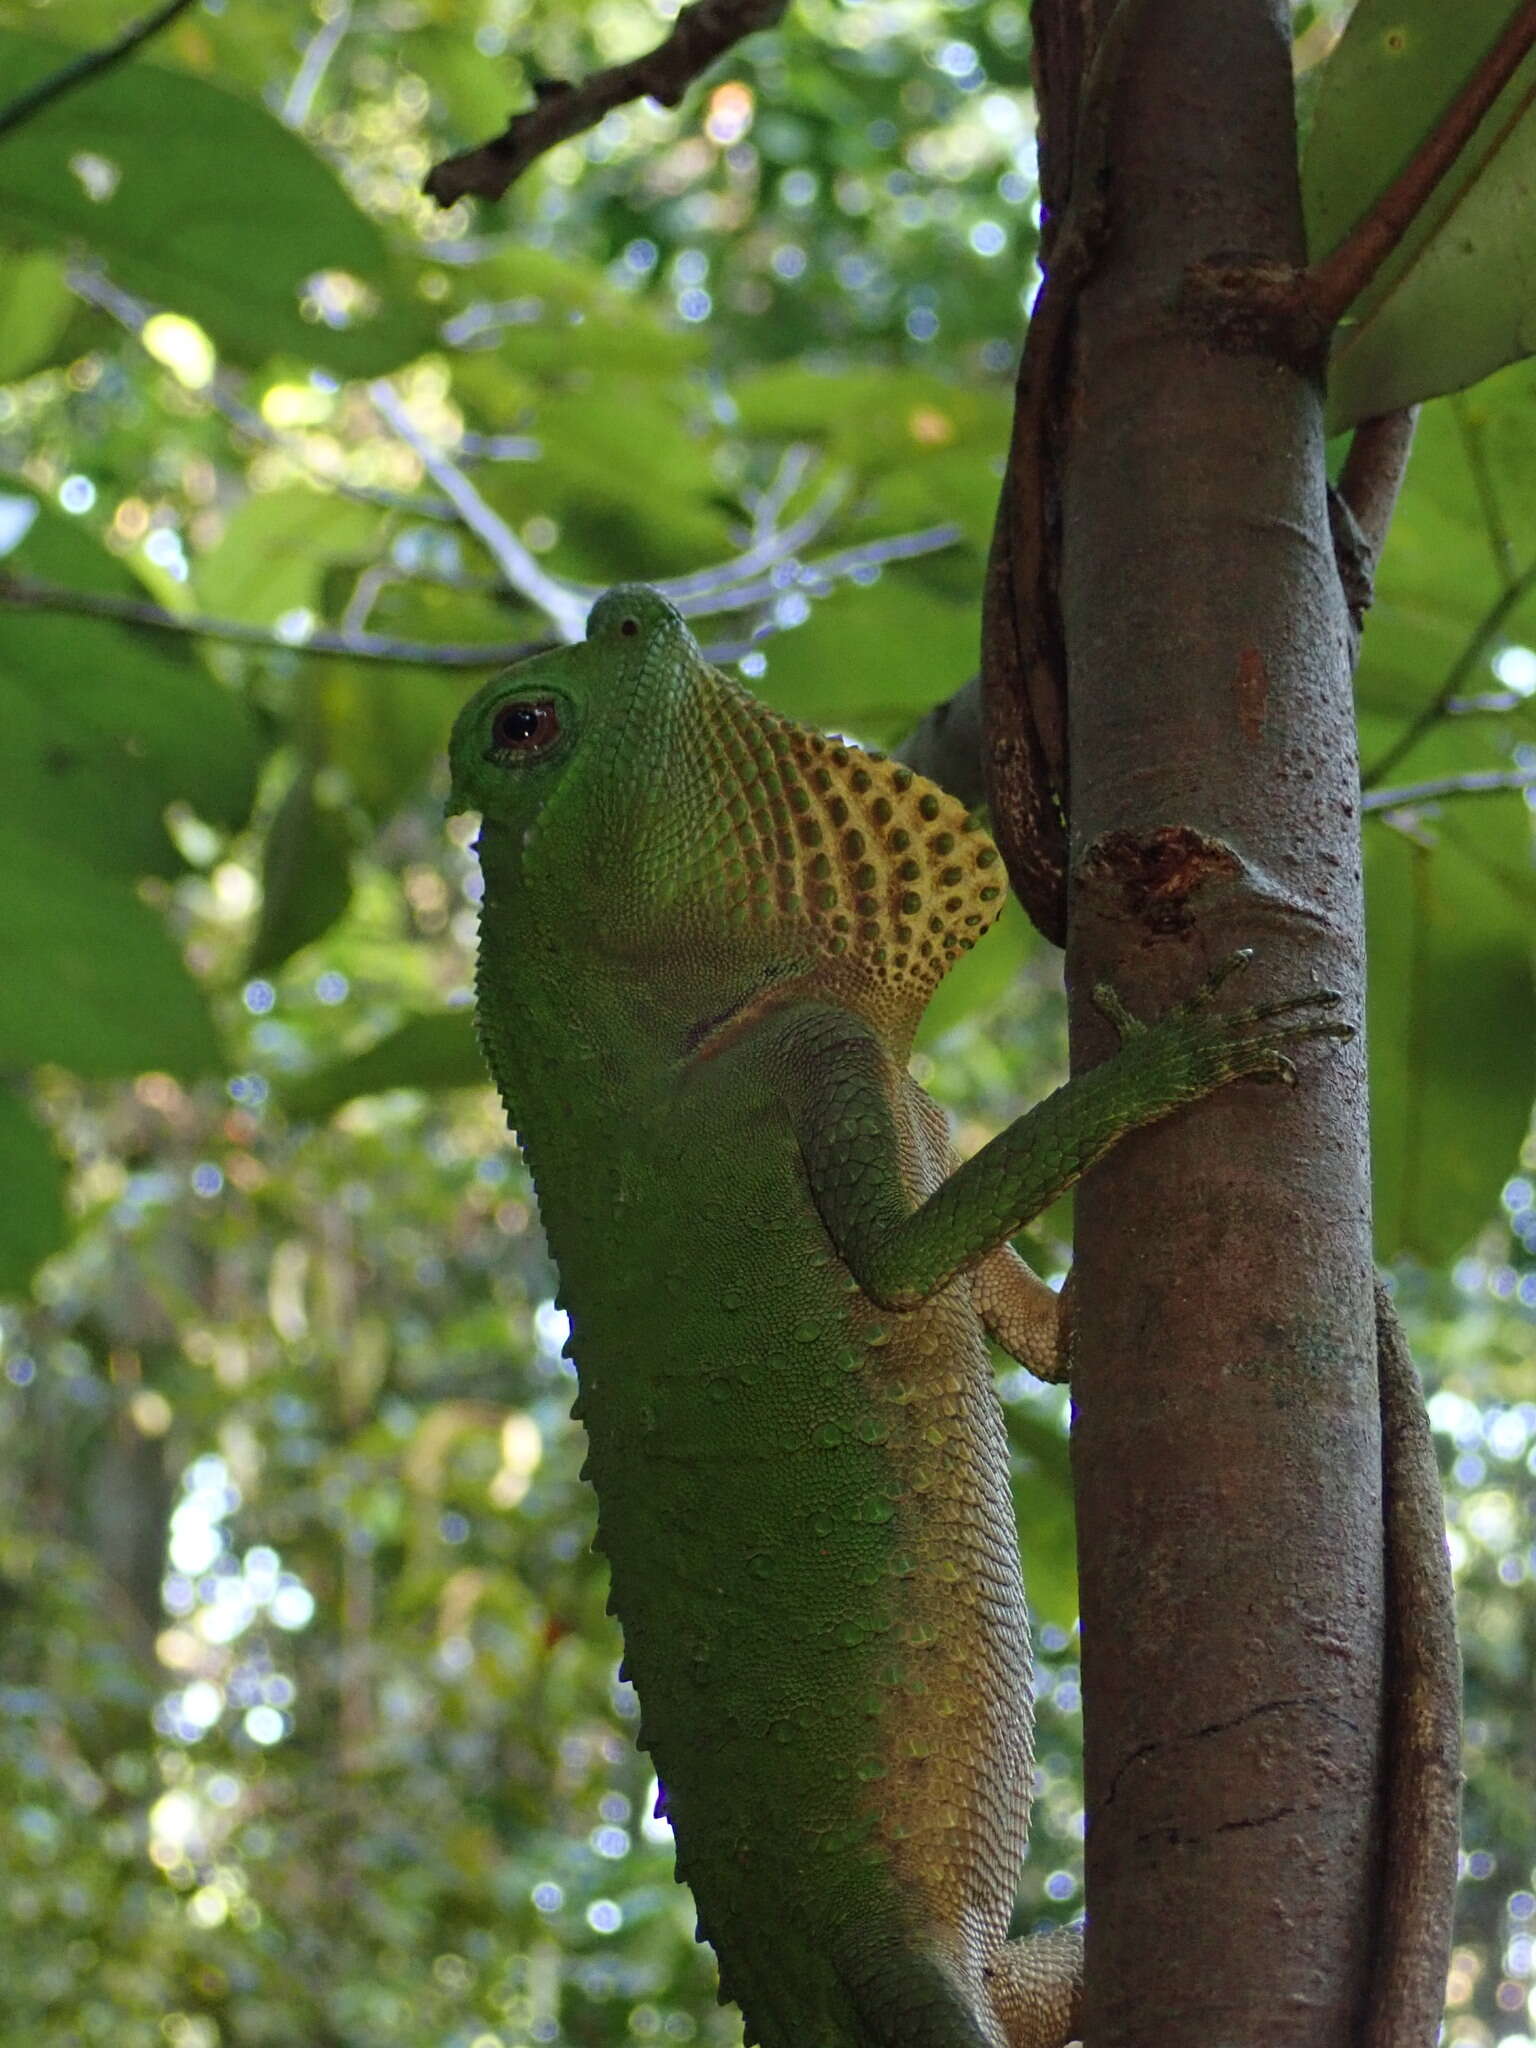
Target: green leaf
(33,1223)
(35,309)
(1043,1509)
(306,874)
(630,501)
(1451,1020)
(277,547)
(92,979)
(435,1050)
(1462,535)
(1458,296)
(384,727)
(556,317)
(205,204)
(980,976)
(105,723)
(871,659)
(873,419)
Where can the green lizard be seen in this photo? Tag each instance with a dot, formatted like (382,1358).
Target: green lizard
(707,938)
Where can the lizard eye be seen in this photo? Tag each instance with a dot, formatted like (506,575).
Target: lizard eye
(629,628)
(524,729)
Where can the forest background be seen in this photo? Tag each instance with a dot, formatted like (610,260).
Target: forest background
(310,1722)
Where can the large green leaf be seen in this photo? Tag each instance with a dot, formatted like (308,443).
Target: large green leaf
(203,203)
(1463,536)
(872,658)
(873,419)
(33,1223)
(432,1051)
(628,477)
(530,312)
(1043,1507)
(92,979)
(980,976)
(277,546)
(1458,297)
(1451,905)
(306,874)
(106,724)
(35,308)
(384,727)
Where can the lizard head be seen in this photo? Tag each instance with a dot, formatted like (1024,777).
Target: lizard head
(563,719)
(644,802)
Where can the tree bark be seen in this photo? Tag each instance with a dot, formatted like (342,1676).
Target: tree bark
(1226,1447)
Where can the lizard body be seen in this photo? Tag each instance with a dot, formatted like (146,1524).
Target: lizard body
(708,935)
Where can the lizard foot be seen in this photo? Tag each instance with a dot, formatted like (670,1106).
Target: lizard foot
(1194,1049)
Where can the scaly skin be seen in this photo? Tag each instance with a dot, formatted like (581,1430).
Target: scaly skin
(708,936)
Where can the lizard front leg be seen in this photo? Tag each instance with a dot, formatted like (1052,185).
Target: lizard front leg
(837,1079)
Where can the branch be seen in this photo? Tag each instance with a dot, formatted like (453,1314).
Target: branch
(1360,508)
(1023,661)
(1373,474)
(1477,783)
(1490,704)
(1332,285)
(1439,706)
(812,579)
(319,51)
(88,65)
(728,587)
(701,33)
(945,745)
(30,593)
(565,608)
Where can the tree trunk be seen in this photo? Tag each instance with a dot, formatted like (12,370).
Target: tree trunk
(1226,1447)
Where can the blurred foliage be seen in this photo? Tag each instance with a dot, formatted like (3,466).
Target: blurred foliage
(311,1726)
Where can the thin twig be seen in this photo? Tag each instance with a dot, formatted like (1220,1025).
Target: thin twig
(1472,447)
(812,579)
(30,593)
(368,586)
(1490,704)
(314,64)
(501,447)
(1478,782)
(565,608)
(1438,707)
(789,473)
(701,33)
(88,65)
(714,589)
(1332,285)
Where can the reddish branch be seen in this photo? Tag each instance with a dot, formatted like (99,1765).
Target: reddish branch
(1023,665)
(701,33)
(1373,474)
(1333,285)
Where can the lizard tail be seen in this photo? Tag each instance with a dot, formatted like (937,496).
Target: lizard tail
(1037,1988)
(1424,1733)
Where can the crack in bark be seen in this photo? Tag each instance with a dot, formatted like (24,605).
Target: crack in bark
(1211,1728)
(1176,1838)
